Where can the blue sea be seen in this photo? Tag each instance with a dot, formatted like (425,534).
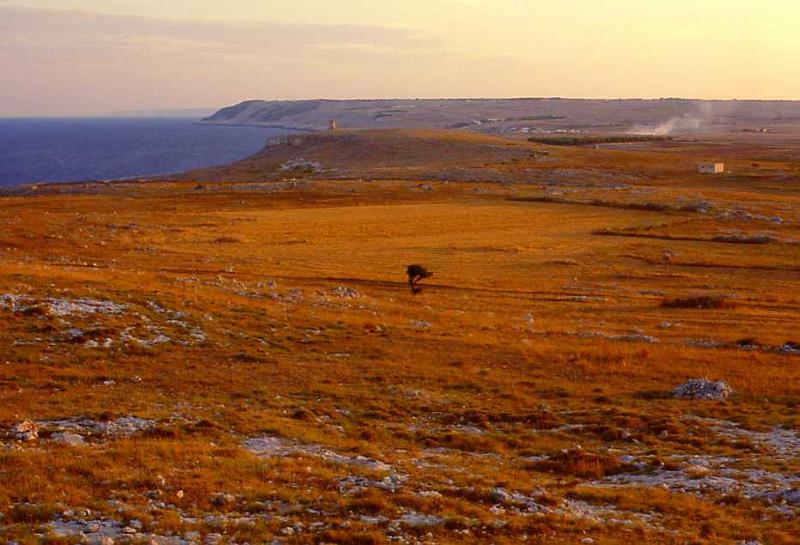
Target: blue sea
(79,149)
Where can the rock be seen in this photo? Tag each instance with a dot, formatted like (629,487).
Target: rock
(421,325)
(345,293)
(696,471)
(129,530)
(220,500)
(68,307)
(635,337)
(70,439)
(702,388)
(27,430)
(416,520)
(500,495)
(791,497)
(368,519)
(301,164)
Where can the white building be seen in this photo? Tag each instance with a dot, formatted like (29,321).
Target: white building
(711,168)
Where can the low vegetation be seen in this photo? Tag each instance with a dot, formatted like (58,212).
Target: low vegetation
(246,363)
(586,140)
(700,302)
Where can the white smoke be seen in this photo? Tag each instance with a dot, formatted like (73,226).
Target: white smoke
(689,122)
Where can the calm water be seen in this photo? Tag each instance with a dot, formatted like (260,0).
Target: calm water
(62,150)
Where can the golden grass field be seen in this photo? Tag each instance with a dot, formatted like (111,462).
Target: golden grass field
(243,362)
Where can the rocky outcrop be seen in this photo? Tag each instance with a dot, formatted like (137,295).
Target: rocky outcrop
(702,388)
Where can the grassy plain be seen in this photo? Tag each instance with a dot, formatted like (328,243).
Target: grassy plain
(291,387)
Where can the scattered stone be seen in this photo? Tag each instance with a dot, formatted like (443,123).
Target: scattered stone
(355,484)
(630,338)
(345,293)
(421,325)
(27,430)
(416,520)
(791,497)
(68,307)
(500,495)
(702,388)
(783,443)
(703,343)
(271,447)
(124,426)
(68,438)
(529,319)
(23,304)
(300,164)
(374,520)
(790,347)
(220,499)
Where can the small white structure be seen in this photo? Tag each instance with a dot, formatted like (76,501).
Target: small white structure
(711,168)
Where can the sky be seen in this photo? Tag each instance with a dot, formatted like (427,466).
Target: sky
(93,57)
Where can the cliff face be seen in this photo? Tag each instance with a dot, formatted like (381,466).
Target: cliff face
(262,112)
(525,115)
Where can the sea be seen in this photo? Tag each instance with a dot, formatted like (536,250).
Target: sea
(79,149)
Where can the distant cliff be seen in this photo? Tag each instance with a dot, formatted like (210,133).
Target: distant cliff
(523,115)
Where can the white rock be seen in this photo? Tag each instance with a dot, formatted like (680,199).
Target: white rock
(416,520)
(68,438)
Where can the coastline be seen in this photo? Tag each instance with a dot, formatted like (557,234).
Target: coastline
(257,126)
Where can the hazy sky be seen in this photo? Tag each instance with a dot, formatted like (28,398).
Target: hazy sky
(97,56)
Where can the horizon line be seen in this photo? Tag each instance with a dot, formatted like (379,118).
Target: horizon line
(163,112)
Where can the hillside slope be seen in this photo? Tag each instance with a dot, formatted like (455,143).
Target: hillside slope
(525,115)
(378,154)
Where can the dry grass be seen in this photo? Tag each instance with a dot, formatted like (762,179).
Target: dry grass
(534,336)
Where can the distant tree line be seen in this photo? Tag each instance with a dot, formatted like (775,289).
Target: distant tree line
(588,140)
